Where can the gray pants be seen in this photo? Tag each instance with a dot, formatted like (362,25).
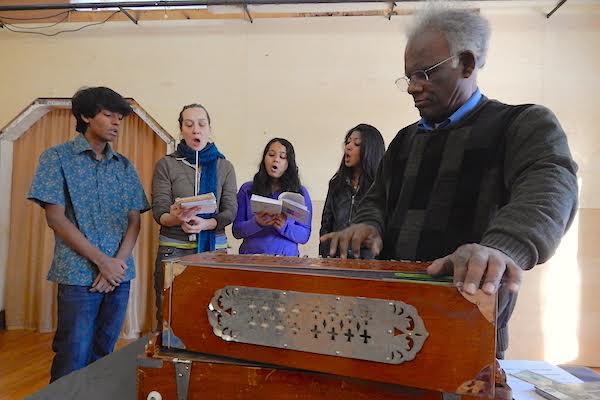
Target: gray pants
(164,253)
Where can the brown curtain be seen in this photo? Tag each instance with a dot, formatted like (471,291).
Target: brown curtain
(30,298)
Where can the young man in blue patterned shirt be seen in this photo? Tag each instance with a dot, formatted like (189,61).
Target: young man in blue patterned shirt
(92,197)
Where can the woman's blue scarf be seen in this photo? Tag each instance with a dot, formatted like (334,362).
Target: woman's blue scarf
(207,158)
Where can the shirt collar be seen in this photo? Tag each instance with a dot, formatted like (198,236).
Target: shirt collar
(455,117)
(80,145)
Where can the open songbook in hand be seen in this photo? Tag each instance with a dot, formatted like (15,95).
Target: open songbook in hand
(289,203)
(207,202)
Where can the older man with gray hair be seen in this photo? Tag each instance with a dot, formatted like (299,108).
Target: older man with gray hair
(483,189)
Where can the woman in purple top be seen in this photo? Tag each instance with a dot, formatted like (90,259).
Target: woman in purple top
(272,234)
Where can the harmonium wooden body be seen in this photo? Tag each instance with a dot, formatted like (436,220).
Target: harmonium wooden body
(262,327)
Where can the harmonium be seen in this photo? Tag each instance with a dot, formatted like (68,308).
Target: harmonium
(263,327)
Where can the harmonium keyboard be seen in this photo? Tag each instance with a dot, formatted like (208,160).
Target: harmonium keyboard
(263,327)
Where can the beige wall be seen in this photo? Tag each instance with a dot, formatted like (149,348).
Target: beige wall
(309,80)
(306,79)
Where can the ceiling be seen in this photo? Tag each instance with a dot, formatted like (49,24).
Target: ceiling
(22,13)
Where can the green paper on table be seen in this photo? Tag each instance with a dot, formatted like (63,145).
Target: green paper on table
(422,277)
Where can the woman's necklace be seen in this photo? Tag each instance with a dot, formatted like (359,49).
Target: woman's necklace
(355,182)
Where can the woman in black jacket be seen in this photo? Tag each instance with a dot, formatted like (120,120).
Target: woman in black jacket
(363,149)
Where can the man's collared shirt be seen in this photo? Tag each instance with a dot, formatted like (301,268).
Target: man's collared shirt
(455,117)
(97,196)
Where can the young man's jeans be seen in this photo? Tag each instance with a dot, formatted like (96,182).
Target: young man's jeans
(88,326)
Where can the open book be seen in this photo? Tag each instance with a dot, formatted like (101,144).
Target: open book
(207,202)
(289,203)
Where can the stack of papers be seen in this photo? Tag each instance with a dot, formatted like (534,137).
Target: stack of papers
(570,391)
(524,376)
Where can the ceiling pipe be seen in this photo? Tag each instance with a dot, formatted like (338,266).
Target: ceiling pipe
(143,4)
(245,7)
(560,3)
(391,11)
(135,21)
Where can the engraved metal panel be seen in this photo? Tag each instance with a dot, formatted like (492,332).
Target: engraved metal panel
(388,331)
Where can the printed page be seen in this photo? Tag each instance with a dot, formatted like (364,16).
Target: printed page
(292,196)
(294,210)
(526,391)
(264,204)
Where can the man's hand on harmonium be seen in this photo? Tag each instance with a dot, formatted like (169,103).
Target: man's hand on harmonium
(474,266)
(354,237)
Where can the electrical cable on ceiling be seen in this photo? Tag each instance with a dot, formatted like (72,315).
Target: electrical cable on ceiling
(13,28)
(36,18)
(12,25)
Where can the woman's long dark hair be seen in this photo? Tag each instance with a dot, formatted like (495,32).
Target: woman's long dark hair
(288,182)
(372,148)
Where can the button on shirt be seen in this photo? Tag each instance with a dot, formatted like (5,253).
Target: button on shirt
(97,196)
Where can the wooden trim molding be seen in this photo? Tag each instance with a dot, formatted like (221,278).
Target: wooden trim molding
(41,106)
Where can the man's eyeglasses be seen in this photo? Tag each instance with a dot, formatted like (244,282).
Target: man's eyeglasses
(418,76)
